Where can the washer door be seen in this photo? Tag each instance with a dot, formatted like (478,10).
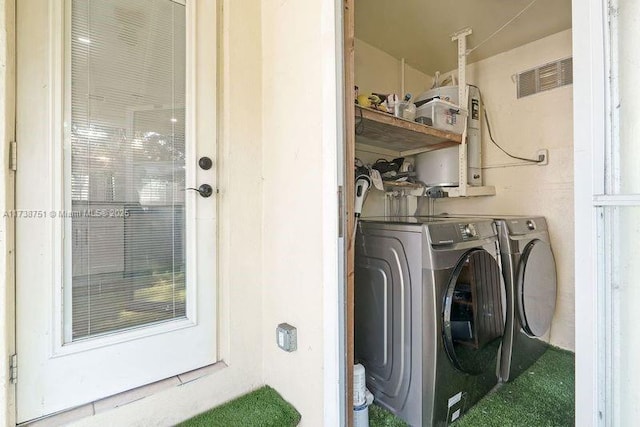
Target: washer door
(473,316)
(537,288)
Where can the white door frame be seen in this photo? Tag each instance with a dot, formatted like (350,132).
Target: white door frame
(335,407)
(599,200)
(591,110)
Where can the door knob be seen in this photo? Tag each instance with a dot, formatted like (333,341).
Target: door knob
(205,190)
(205,163)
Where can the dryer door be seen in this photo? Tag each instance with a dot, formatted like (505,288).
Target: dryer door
(536,288)
(473,315)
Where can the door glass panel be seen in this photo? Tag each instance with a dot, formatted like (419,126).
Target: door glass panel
(125,166)
(473,314)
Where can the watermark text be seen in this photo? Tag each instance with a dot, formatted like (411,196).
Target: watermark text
(84,213)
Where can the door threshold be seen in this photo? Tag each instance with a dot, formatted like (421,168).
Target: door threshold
(99,406)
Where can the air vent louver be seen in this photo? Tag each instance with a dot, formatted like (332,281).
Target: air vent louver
(546,77)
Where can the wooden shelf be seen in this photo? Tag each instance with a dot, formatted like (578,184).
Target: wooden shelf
(382,133)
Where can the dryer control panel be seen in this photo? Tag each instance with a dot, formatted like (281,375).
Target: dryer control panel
(526,225)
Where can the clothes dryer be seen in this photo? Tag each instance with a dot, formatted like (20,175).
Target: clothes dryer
(429,314)
(529,270)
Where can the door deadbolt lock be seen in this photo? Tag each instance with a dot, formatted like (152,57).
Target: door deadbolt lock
(205,190)
(205,163)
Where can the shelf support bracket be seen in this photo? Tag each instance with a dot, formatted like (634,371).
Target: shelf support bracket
(463,101)
(461,38)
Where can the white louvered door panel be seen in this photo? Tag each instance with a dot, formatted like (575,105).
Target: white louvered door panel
(116,268)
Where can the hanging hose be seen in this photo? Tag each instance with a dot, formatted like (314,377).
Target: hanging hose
(363,183)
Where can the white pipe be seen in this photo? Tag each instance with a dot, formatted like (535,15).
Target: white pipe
(402,91)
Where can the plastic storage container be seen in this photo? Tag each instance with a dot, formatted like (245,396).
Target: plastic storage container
(406,110)
(445,93)
(443,115)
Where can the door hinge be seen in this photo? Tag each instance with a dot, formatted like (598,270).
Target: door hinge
(340,211)
(13,156)
(13,368)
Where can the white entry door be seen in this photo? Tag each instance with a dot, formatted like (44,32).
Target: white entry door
(116,256)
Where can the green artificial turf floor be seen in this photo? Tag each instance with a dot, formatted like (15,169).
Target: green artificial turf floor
(261,408)
(541,396)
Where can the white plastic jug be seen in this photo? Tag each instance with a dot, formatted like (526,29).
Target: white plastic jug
(359,385)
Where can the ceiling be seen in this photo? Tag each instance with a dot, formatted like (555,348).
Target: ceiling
(420,30)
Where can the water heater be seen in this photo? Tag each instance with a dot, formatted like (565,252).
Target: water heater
(440,168)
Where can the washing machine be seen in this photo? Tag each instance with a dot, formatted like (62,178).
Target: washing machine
(529,270)
(429,314)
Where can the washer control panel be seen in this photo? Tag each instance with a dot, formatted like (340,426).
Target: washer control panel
(521,226)
(447,233)
(468,231)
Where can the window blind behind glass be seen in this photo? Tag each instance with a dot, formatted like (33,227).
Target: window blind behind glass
(127,164)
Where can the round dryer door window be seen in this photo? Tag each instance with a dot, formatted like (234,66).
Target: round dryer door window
(537,288)
(473,313)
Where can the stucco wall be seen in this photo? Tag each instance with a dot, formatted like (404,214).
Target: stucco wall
(522,126)
(299,195)
(377,71)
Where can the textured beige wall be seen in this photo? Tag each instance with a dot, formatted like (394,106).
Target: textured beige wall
(522,126)
(297,68)
(377,71)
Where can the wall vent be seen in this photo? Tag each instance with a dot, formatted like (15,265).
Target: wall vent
(545,77)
